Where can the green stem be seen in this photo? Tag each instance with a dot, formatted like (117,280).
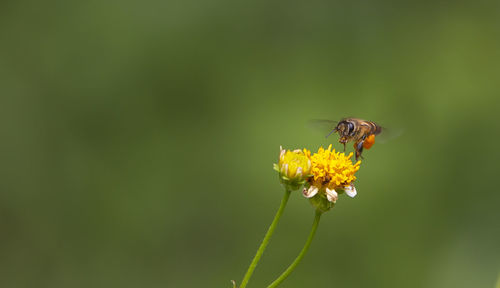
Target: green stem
(264,243)
(297,260)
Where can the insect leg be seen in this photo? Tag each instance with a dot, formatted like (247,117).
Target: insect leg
(359,148)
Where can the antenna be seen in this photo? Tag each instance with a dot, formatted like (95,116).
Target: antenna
(334,130)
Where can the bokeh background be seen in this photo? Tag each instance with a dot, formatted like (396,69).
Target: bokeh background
(137,141)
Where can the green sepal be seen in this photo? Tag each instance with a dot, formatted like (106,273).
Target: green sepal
(320,202)
(291,184)
(276,167)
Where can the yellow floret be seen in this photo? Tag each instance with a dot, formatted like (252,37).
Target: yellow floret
(332,169)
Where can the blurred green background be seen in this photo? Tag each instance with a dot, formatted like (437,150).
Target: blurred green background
(138,139)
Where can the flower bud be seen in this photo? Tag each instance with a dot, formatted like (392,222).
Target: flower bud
(293,167)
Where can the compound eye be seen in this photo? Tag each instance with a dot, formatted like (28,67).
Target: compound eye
(350,128)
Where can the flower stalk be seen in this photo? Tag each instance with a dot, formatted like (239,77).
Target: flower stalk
(264,243)
(302,253)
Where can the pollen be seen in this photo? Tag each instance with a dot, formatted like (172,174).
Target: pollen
(369,141)
(332,169)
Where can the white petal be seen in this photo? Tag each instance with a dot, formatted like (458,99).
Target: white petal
(331,195)
(299,172)
(282,152)
(284,169)
(350,191)
(309,193)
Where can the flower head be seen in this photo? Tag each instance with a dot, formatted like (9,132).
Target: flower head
(294,167)
(332,173)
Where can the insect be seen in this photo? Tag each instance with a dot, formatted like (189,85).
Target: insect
(362,132)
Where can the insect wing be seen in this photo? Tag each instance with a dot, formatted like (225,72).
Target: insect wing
(388,134)
(324,126)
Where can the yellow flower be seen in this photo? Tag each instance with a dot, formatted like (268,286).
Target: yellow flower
(294,163)
(294,167)
(332,173)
